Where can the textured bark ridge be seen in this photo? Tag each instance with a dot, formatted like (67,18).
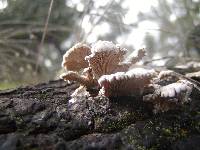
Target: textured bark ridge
(40,117)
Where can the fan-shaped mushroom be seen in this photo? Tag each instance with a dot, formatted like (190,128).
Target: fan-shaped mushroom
(74,58)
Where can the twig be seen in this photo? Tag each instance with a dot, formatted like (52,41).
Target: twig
(150,61)
(98,21)
(36,30)
(78,30)
(44,33)
(21,22)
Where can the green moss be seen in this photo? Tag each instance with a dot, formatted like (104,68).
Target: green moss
(5,86)
(139,147)
(116,123)
(167,131)
(183,133)
(43,96)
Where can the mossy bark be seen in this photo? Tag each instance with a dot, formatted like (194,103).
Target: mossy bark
(40,117)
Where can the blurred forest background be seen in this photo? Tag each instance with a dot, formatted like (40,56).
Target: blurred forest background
(169,29)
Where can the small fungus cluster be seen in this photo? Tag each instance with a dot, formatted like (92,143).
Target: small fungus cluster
(102,69)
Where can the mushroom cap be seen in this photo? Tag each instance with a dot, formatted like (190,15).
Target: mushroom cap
(126,83)
(101,46)
(74,58)
(176,89)
(170,96)
(105,58)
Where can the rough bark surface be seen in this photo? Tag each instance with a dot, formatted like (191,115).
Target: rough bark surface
(40,117)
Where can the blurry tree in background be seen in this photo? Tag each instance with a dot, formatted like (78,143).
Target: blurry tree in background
(193,40)
(22,26)
(176,20)
(101,20)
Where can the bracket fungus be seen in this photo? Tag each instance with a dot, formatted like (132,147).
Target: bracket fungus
(74,58)
(103,69)
(105,57)
(170,96)
(127,83)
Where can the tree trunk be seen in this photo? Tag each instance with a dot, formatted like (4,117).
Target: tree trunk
(41,117)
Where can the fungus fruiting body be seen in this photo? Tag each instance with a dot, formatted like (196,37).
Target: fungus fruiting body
(105,57)
(74,58)
(127,83)
(103,69)
(170,96)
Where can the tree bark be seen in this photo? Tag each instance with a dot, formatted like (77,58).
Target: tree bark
(41,117)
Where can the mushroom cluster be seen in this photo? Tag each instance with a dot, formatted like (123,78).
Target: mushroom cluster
(86,64)
(102,69)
